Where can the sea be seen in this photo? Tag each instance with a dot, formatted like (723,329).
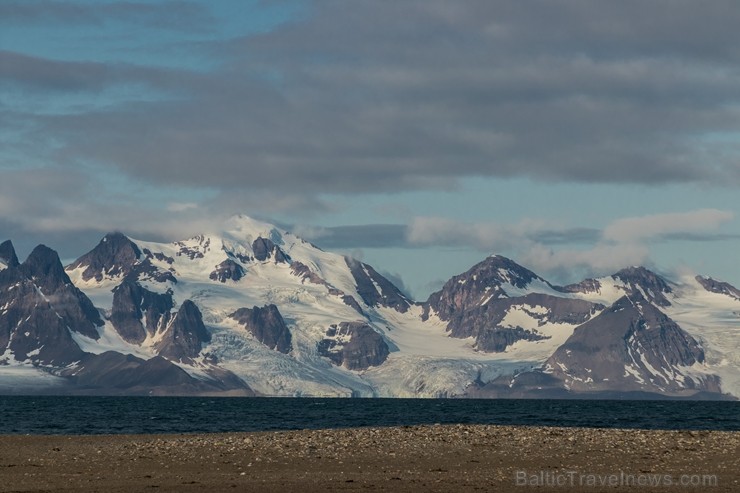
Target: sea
(48,415)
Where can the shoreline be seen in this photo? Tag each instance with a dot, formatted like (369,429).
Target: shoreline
(406,458)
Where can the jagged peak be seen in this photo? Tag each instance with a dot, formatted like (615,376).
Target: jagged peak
(640,273)
(114,255)
(653,286)
(499,269)
(44,263)
(588,285)
(8,258)
(717,286)
(374,288)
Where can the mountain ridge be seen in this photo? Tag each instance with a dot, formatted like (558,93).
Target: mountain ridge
(254,309)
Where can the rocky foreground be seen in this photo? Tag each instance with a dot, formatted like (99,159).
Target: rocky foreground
(417,458)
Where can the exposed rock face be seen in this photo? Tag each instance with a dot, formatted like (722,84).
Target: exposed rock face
(227,270)
(306,274)
(631,346)
(115,373)
(267,326)
(7,255)
(32,329)
(113,370)
(45,270)
(354,345)
(498,339)
(586,286)
(196,247)
(352,302)
(118,256)
(486,280)
(720,287)
(114,256)
(159,256)
(477,303)
(645,282)
(301,270)
(131,304)
(185,334)
(264,249)
(374,289)
(486,323)
(139,313)
(39,308)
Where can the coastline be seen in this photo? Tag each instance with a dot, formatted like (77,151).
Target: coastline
(408,458)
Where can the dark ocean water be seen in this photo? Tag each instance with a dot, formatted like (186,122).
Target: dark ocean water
(114,415)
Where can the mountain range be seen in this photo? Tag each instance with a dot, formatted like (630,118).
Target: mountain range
(254,310)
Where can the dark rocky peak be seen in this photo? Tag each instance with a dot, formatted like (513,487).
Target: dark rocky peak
(485,322)
(719,287)
(46,284)
(115,255)
(374,289)
(631,346)
(265,248)
(45,269)
(354,345)
(503,270)
(138,312)
(651,285)
(586,286)
(8,257)
(227,270)
(33,330)
(266,324)
(484,281)
(40,308)
(185,335)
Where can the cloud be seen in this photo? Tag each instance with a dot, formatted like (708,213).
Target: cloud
(548,249)
(662,225)
(41,74)
(177,15)
(492,236)
(181,206)
(600,259)
(356,236)
(364,97)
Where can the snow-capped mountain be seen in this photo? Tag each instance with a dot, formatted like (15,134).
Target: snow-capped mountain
(253,309)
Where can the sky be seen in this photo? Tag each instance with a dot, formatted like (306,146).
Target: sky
(576,137)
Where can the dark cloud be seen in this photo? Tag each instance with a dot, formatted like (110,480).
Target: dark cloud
(400,236)
(178,15)
(390,96)
(698,237)
(34,73)
(358,236)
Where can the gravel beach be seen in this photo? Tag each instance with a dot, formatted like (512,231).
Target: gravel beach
(415,458)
